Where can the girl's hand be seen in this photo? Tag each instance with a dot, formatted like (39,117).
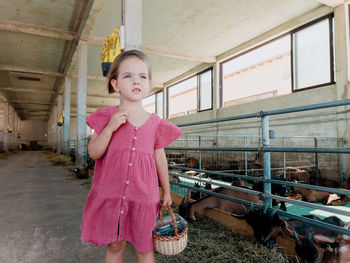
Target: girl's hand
(117,120)
(166,200)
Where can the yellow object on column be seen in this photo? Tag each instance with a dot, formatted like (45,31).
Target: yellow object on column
(111,49)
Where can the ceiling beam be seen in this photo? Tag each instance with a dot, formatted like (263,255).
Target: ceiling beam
(331,3)
(78,20)
(37,71)
(26,90)
(166,52)
(37,30)
(30,102)
(6,67)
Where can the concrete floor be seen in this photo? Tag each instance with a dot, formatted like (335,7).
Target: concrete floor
(40,214)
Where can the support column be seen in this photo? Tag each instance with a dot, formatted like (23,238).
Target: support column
(81,103)
(132,20)
(54,129)
(67,86)
(341,72)
(6,122)
(59,128)
(14,130)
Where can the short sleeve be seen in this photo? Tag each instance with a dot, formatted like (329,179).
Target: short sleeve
(98,120)
(166,134)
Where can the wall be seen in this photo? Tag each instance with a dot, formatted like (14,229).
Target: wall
(34,130)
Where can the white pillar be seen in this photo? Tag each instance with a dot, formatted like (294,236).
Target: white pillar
(6,122)
(132,16)
(54,127)
(81,103)
(67,86)
(59,128)
(341,72)
(14,130)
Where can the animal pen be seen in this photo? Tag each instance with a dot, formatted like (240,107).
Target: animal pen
(226,157)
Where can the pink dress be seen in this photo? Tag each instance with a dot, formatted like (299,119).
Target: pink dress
(123,202)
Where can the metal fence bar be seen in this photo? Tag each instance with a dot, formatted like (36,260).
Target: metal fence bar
(260,179)
(273,112)
(267,157)
(265,149)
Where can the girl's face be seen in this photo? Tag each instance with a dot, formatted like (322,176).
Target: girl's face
(133,81)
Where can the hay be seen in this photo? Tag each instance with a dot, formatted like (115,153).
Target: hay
(208,242)
(59,159)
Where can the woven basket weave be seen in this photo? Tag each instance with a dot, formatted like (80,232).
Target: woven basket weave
(170,245)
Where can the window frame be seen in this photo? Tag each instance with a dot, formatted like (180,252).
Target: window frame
(198,87)
(156,102)
(328,16)
(331,47)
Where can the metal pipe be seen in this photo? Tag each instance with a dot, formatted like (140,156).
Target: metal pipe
(274,112)
(261,179)
(341,164)
(263,149)
(267,157)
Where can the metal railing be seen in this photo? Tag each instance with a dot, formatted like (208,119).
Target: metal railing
(266,149)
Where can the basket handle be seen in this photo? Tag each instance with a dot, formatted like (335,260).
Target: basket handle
(172,216)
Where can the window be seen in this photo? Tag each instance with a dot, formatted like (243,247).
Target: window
(312,55)
(205,90)
(149,103)
(154,103)
(261,73)
(191,95)
(298,60)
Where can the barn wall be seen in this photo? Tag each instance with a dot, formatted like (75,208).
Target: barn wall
(34,130)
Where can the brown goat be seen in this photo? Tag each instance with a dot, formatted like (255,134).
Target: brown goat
(312,196)
(188,209)
(341,247)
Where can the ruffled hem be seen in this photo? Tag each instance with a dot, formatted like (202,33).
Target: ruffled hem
(105,243)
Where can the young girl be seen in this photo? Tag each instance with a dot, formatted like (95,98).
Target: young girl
(128,146)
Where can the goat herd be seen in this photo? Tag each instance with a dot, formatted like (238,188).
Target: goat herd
(312,244)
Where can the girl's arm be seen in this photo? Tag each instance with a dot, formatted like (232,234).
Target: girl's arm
(162,169)
(99,143)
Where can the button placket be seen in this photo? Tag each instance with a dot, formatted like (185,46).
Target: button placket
(130,164)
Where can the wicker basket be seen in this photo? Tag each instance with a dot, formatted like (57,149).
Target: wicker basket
(170,245)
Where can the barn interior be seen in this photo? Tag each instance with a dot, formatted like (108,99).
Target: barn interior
(211,60)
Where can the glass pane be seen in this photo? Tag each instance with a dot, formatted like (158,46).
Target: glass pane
(149,104)
(159,104)
(264,72)
(205,86)
(183,98)
(311,53)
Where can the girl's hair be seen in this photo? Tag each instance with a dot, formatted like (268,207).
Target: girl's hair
(114,71)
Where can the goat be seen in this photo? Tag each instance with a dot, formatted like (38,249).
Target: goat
(307,247)
(276,189)
(309,195)
(81,173)
(340,247)
(266,226)
(294,173)
(188,210)
(195,195)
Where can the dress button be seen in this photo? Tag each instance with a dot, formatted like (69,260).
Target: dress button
(135,128)
(135,137)
(122,212)
(127,182)
(133,148)
(130,164)
(123,197)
